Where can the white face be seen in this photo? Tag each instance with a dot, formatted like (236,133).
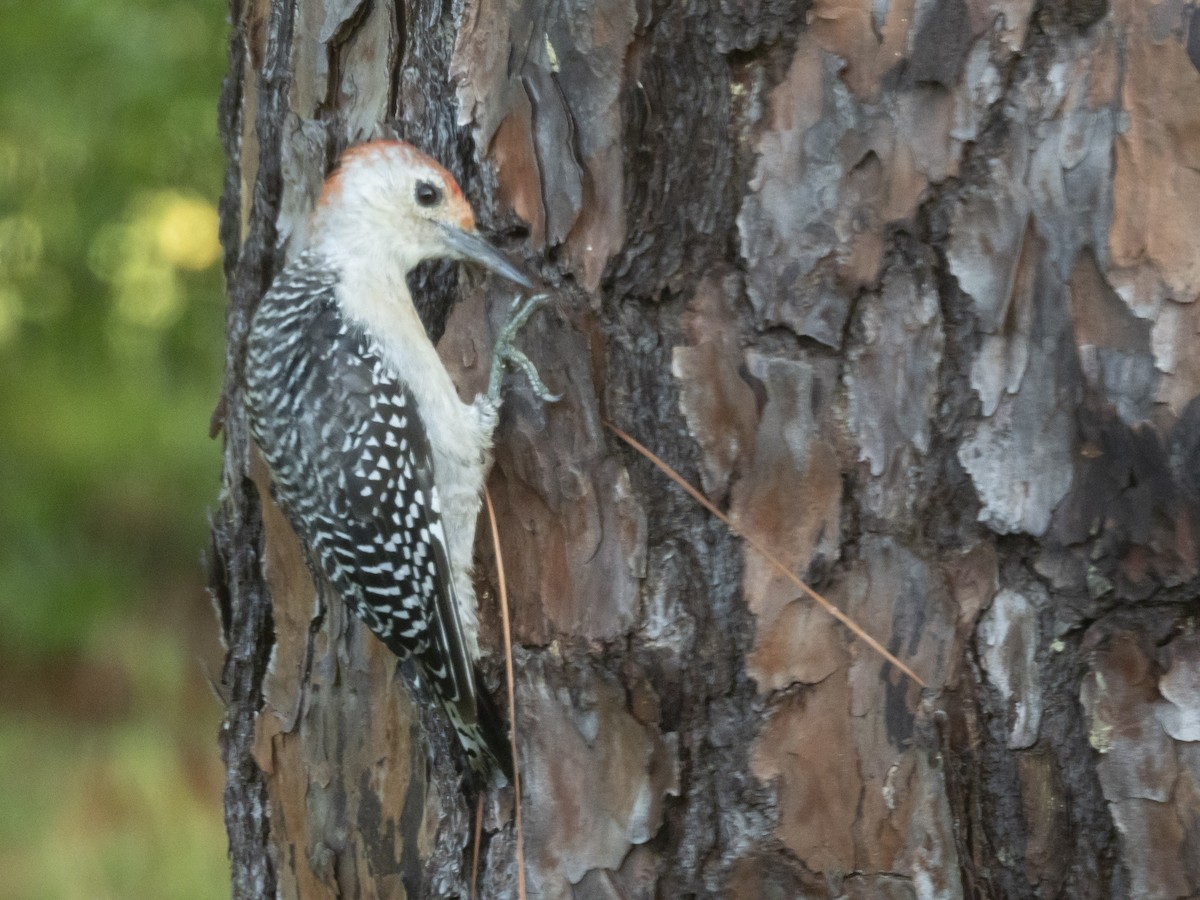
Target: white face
(393,199)
(391,205)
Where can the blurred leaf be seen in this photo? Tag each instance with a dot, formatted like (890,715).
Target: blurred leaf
(111,331)
(110,307)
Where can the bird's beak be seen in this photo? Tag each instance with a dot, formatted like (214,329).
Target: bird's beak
(471,246)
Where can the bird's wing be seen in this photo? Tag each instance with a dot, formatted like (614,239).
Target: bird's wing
(388,553)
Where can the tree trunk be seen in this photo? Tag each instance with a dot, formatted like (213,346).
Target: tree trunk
(908,288)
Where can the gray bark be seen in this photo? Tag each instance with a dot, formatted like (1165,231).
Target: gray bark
(909,289)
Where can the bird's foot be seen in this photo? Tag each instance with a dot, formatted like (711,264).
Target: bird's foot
(506,355)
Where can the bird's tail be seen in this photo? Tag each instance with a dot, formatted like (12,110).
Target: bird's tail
(484,739)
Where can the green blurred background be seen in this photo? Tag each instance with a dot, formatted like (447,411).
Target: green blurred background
(111,312)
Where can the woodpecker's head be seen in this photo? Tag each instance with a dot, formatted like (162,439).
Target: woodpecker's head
(386,197)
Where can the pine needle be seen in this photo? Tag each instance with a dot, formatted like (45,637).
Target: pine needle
(766,554)
(512,704)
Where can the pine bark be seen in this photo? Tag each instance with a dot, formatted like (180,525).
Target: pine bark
(908,288)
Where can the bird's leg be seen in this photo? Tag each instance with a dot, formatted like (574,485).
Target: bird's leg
(506,354)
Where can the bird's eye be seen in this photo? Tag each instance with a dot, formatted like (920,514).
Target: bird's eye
(428,194)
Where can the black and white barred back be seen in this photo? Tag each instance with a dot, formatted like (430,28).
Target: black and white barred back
(353,469)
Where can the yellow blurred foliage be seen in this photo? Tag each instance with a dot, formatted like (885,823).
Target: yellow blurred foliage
(167,232)
(187,232)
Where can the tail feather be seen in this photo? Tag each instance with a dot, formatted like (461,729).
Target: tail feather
(484,739)
(492,730)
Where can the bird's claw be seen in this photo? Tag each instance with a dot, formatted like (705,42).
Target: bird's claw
(506,353)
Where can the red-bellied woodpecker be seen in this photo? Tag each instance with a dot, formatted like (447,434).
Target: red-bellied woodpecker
(375,459)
